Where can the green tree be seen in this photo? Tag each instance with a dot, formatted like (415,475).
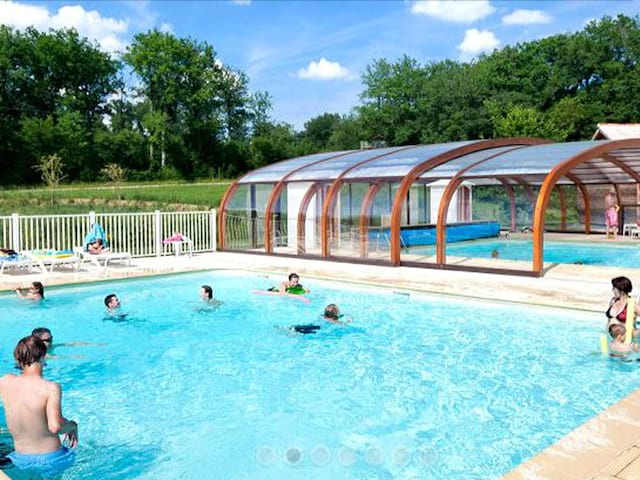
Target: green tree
(51,168)
(318,130)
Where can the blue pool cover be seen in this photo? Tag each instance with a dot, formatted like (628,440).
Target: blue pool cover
(426,234)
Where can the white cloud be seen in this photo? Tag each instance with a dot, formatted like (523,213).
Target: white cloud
(526,17)
(105,30)
(166,27)
(477,41)
(241,2)
(463,11)
(324,70)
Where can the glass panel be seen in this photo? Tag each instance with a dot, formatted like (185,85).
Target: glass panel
(452,167)
(537,159)
(377,236)
(400,163)
(331,169)
(276,171)
(279,227)
(244,225)
(344,238)
(313,222)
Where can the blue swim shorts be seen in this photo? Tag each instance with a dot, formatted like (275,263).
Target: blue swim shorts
(46,464)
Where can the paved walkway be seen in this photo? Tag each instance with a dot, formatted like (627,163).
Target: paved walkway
(605,448)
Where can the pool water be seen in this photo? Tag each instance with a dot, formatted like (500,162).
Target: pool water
(416,387)
(556,252)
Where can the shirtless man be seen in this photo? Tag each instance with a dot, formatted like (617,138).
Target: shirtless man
(32,408)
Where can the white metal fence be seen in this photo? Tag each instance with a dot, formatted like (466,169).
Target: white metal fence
(140,234)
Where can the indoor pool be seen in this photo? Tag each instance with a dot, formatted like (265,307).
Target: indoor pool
(556,252)
(416,387)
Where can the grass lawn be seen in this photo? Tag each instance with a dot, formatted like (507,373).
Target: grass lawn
(100,197)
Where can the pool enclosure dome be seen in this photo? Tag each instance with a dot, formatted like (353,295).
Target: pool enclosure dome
(405,205)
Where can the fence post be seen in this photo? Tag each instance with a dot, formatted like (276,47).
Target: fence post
(157,232)
(15,232)
(214,230)
(92,219)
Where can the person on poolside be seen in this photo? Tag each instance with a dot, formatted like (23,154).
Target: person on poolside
(617,311)
(32,408)
(617,345)
(611,215)
(292,286)
(34,292)
(96,247)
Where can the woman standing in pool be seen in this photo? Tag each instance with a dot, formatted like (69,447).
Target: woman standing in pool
(617,311)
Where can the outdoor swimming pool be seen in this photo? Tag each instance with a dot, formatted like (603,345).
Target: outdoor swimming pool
(421,387)
(585,253)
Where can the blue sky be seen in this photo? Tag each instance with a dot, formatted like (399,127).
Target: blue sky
(309,54)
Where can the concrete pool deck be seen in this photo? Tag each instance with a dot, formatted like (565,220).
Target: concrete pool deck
(607,447)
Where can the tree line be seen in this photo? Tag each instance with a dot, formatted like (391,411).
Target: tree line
(168,108)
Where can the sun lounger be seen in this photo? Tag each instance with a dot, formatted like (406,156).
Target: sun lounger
(53,258)
(20,262)
(102,259)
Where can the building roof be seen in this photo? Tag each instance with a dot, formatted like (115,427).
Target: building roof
(616,131)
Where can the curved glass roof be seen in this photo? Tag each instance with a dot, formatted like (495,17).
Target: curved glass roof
(401,163)
(452,167)
(331,169)
(277,171)
(533,162)
(539,160)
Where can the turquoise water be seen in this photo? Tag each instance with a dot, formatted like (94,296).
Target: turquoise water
(557,252)
(417,387)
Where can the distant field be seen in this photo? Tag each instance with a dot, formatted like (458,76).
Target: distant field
(99,197)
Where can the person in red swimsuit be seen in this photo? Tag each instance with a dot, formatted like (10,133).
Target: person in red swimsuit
(617,311)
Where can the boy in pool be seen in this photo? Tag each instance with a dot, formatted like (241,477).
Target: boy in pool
(112,303)
(332,314)
(46,336)
(34,416)
(617,346)
(292,286)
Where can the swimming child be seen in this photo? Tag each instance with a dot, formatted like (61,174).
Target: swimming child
(112,303)
(332,314)
(44,334)
(617,345)
(292,286)
(34,292)
(289,288)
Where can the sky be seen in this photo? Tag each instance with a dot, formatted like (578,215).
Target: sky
(309,55)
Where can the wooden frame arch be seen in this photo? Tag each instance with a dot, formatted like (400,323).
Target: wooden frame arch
(277,190)
(314,189)
(414,174)
(330,199)
(556,174)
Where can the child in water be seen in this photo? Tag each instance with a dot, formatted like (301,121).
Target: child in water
(292,286)
(617,346)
